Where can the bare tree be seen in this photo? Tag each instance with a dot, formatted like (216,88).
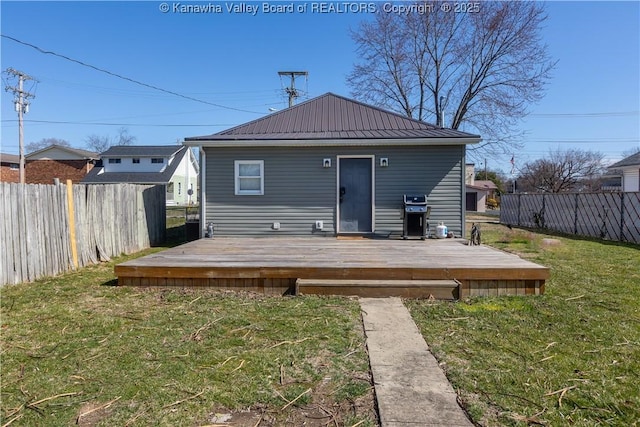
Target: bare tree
(44,143)
(563,171)
(124,138)
(101,143)
(98,143)
(484,67)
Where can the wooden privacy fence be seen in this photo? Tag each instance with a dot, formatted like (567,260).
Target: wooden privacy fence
(611,216)
(49,229)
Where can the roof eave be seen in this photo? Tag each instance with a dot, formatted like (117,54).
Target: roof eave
(86,155)
(226,143)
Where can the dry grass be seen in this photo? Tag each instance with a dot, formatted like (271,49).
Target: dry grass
(78,351)
(569,357)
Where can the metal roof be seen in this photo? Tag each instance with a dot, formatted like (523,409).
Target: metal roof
(96,176)
(142,151)
(333,117)
(632,160)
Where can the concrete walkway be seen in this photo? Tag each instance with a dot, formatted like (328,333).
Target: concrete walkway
(410,387)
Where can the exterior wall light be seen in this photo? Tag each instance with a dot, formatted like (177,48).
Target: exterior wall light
(326,163)
(384,162)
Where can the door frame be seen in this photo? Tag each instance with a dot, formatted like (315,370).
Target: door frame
(372,157)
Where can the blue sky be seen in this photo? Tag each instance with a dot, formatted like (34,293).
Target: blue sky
(232,60)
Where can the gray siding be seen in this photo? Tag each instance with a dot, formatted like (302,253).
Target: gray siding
(298,191)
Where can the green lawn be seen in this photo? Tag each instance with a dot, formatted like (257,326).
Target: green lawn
(77,350)
(569,357)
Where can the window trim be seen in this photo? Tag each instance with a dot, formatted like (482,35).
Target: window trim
(238,178)
(157,160)
(135,160)
(115,160)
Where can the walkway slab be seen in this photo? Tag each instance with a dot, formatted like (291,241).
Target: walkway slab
(410,387)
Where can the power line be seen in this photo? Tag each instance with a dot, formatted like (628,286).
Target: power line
(251,93)
(585,115)
(119,124)
(582,140)
(102,70)
(222,97)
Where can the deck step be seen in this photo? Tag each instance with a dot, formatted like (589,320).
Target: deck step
(438,289)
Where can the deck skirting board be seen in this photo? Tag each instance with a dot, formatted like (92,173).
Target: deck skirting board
(438,289)
(494,288)
(272,266)
(261,286)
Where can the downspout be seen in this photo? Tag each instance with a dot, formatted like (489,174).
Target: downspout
(463,191)
(185,194)
(202,190)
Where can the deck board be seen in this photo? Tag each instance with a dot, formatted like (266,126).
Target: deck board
(288,259)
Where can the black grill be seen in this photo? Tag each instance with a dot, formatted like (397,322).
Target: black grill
(415,216)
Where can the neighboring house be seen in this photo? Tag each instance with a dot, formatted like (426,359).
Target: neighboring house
(611,181)
(629,168)
(477,191)
(489,186)
(56,161)
(9,168)
(330,166)
(174,166)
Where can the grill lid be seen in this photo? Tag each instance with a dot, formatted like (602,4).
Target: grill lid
(415,200)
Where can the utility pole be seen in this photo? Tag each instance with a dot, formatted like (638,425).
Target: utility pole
(21,101)
(292,91)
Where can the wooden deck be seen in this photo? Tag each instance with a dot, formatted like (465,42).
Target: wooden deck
(365,267)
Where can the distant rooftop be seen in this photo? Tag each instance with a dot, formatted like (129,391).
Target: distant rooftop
(9,158)
(142,151)
(97,176)
(489,185)
(77,151)
(632,160)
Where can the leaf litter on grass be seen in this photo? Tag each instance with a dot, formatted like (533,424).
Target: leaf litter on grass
(131,356)
(570,356)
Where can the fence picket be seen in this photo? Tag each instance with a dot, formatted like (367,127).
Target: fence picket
(612,216)
(4,253)
(631,219)
(109,220)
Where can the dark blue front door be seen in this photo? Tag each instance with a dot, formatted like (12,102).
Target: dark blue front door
(355,195)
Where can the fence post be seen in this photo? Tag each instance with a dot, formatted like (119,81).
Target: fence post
(519,201)
(622,239)
(575,215)
(72,223)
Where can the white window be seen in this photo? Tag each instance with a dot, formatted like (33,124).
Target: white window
(135,160)
(115,160)
(249,177)
(157,160)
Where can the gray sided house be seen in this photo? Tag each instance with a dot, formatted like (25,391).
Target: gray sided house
(330,166)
